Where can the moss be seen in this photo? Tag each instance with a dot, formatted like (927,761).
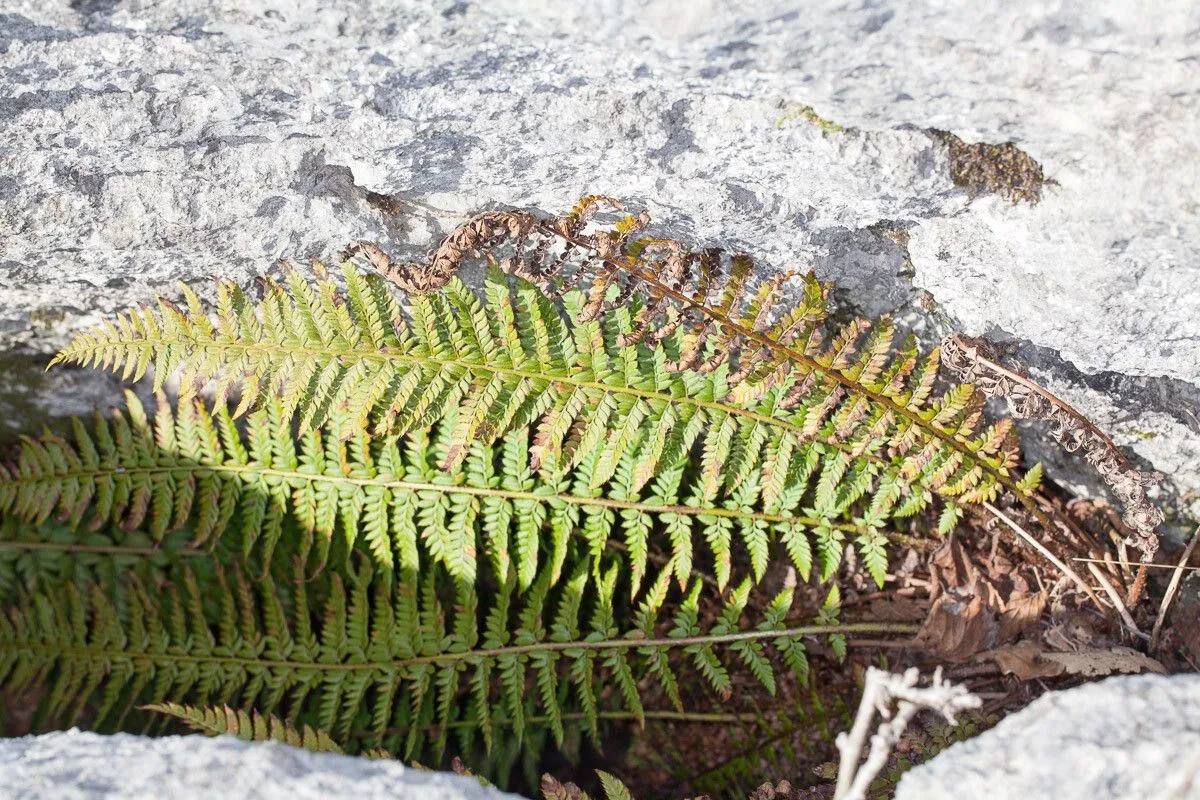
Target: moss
(807,114)
(388,204)
(1002,169)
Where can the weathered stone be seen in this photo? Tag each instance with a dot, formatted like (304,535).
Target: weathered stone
(143,143)
(1125,738)
(73,765)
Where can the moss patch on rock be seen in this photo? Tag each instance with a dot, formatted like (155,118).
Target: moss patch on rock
(1002,169)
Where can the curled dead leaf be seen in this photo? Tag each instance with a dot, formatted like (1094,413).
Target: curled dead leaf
(969,613)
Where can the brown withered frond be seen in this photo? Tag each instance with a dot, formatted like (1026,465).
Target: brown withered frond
(972,360)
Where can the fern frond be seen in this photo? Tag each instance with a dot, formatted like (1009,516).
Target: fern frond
(422,650)
(853,385)
(187,468)
(614,789)
(508,361)
(250,726)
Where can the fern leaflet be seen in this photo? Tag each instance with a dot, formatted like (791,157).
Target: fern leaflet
(249,726)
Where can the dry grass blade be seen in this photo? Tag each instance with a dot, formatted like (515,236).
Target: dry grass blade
(1041,548)
(1172,589)
(1107,586)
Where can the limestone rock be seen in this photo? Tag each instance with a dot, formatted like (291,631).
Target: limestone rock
(73,765)
(1125,738)
(145,143)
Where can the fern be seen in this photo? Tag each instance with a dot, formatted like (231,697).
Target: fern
(195,469)
(495,511)
(508,362)
(34,557)
(392,656)
(249,726)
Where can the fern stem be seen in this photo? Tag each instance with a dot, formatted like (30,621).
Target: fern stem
(696,717)
(101,549)
(460,489)
(389,354)
(107,654)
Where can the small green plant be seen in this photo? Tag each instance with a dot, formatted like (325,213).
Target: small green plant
(808,114)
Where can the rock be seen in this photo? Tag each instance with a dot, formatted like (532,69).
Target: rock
(74,765)
(1125,738)
(146,143)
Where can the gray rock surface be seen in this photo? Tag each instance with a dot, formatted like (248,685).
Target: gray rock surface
(73,765)
(144,142)
(1125,738)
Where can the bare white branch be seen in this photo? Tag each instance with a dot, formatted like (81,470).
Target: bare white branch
(880,690)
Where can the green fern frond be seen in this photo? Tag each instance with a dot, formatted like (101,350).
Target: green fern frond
(614,789)
(249,726)
(190,469)
(852,385)
(507,361)
(423,650)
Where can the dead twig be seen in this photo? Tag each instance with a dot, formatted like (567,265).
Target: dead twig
(1107,586)
(1172,589)
(1151,565)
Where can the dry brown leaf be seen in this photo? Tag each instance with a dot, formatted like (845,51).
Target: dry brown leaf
(1023,660)
(950,567)
(1106,662)
(1020,613)
(969,613)
(897,609)
(958,626)
(1028,660)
